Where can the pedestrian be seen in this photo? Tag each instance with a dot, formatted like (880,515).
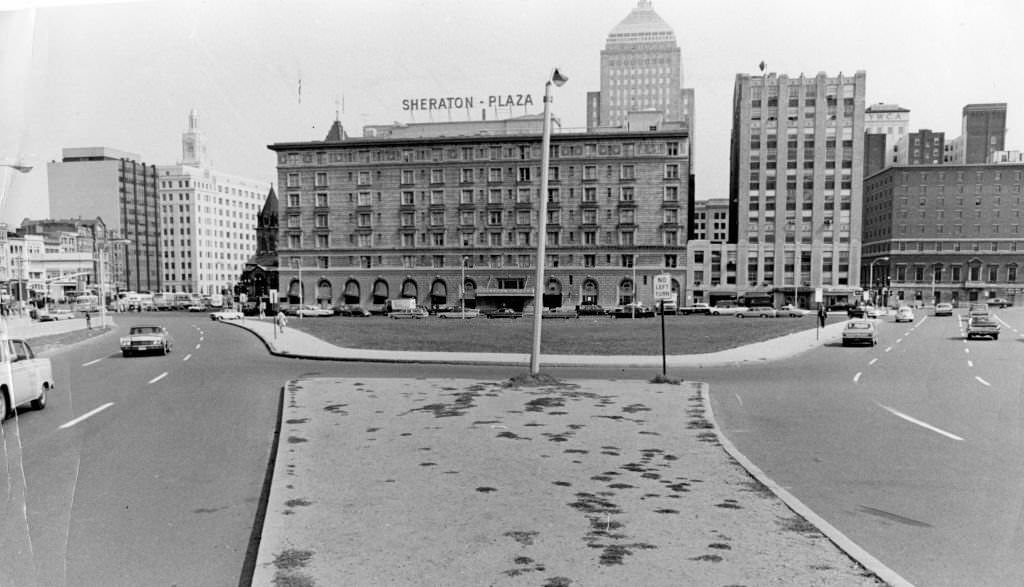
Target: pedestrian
(281,321)
(822,315)
(88,321)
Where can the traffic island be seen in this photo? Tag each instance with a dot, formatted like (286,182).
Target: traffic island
(459,482)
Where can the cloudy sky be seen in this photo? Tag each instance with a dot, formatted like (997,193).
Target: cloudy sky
(125,75)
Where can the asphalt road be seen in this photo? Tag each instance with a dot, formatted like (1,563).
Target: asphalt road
(149,470)
(914,448)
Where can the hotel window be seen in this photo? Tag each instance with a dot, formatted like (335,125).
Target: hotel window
(364,220)
(590,194)
(294,241)
(293,180)
(590,216)
(364,178)
(409,219)
(671,261)
(408,240)
(626,194)
(437,218)
(437,176)
(321,200)
(363,199)
(1011,273)
(671,238)
(293,200)
(495,239)
(671,216)
(671,193)
(321,241)
(628,172)
(321,178)
(293,221)
(522,217)
(523,195)
(408,176)
(494,196)
(590,237)
(437,239)
(672,171)
(627,260)
(673,149)
(626,217)
(494,174)
(590,260)
(466,197)
(321,221)
(590,172)
(553,172)
(466,175)
(408,198)
(494,217)
(467,217)
(437,197)
(524,173)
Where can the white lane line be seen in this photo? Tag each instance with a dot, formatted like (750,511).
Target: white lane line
(887,349)
(970,363)
(739,400)
(899,340)
(157,378)
(966,350)
(856,377)
(92,362)
(85,416)
(197,346)
(914,420)
(982,381)
(187,357)
(873,361)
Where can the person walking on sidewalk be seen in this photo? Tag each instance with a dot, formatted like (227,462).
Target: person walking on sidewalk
(822,315)
(280,321)
(88,321)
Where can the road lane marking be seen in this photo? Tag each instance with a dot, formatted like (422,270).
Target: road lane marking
(92,362)
(899,340)
(157,378)
(888,349)
(739,399)
(970,363)
(856,377)
(197,346)
(85,416)
(982,381)
(873,361)
(187,357)
(914,420)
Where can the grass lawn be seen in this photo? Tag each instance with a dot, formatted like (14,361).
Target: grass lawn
(684,335)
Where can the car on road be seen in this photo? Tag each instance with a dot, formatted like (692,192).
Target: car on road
(459,313)
(999,302)
(24,378)
(729,310)
(789,310)
(310,311)
(55,315)
(860,331)
(633,311)
(757,312)
(591,310)
(146,338)
(226,315)
(977,309)
(982,326)
(696,308)
(353,310)
(415,313)
(503,313)
(874,311)
(906,314)
(857,312)
(198,308)
(943,309)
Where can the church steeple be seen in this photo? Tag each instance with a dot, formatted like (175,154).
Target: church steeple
(193,144)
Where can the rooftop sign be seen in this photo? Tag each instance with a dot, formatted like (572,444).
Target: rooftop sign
(465,102)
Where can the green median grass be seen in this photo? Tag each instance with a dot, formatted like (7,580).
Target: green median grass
(684,335)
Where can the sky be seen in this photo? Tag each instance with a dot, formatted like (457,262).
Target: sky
(125,75)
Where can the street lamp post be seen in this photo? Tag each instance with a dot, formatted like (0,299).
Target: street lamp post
(558,79)
(462,288)
(102,277)
(871,272)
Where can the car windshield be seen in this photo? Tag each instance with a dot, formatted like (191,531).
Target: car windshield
(983,321)
(859,326)
(145,330)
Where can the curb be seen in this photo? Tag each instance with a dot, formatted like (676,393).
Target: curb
(851,548)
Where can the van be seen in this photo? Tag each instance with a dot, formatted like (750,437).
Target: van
(668,307)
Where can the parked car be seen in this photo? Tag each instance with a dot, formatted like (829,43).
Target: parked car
(633,310)
(728,310)
(55,315)
(696,308)
(668,307)
(943,309)
(309,311)
(1000,302)
(459,313)
(25,377)
(875,312)
(906,314)
(226,315)
(504,313)
(591,310)
(354,310)
(146,338)
(860,331)
(841,307)
(416,313)
(757,312)
(981,326)
(856,312)
(789,310)
(198,308)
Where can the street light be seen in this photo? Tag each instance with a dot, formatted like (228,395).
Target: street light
(462,288)
(871,271)
(558,79)
(102,277)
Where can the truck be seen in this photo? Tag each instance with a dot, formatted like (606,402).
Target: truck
(400,305)
(24,377)
(216,301)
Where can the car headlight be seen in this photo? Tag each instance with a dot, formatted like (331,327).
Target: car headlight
(125,341)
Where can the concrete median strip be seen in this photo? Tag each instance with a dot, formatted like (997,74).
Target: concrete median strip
(445,482)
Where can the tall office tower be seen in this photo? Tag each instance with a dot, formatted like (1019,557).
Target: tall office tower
(207,220)
(641,69)
(983,130)
(796,173)
(890,120)
(115,186)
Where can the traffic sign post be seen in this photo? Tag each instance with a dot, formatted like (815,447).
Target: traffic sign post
(662,292)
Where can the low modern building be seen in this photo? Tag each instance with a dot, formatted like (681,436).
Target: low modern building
(445,217)
(944,233)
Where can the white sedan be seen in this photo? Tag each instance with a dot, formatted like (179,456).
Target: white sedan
(25,377)
(226,315)
(758,312)
(308,310)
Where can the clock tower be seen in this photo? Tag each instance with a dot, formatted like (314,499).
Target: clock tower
(193,144)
